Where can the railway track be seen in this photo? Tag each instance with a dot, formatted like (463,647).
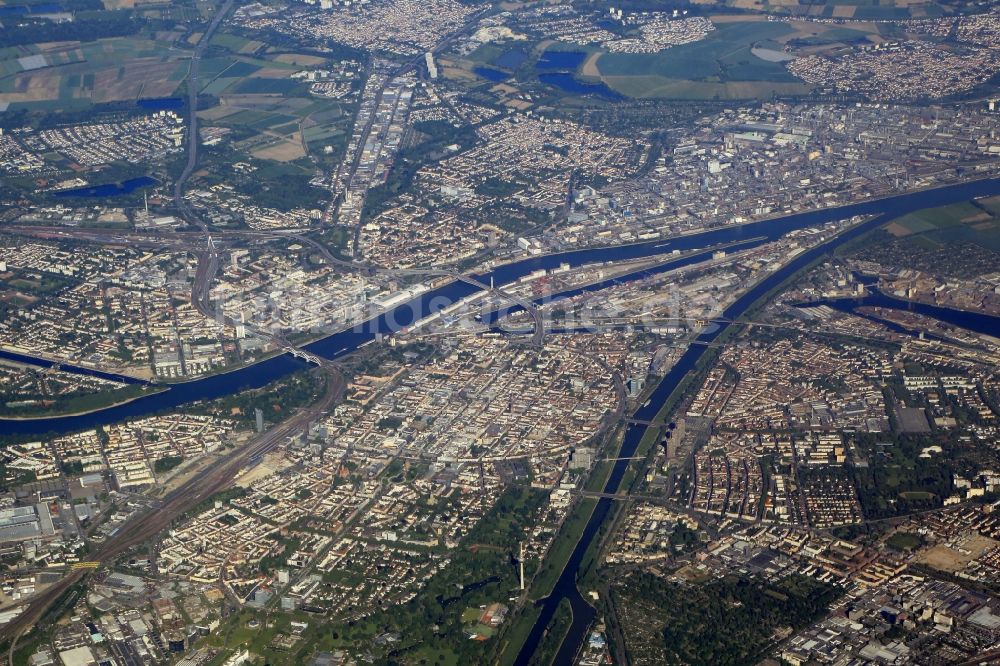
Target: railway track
(148,524)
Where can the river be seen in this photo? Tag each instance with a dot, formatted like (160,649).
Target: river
(566,586)
(405,314)
(344,342)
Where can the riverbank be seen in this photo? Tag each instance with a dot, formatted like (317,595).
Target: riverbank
(767,219)
(19,355)
(639,438)
(80,412)
(404,315)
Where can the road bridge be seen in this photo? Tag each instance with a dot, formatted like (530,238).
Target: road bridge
(536,315)
(306,356)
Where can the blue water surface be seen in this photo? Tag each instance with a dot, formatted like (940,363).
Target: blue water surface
(109,189)
(561,60)
(161,103)
(511,59)
(491,74)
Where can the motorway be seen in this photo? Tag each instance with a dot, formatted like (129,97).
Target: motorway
(192,129)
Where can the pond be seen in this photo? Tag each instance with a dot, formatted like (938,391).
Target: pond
(491,74)
(568,60)
(109,189)
(161,103)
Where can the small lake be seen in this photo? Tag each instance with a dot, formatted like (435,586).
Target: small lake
(109,189)
(568,60)
(569,83)
(161,103)
(490,74)
(43,8)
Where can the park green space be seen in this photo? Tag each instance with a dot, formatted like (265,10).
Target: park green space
(732,620)
(904,541)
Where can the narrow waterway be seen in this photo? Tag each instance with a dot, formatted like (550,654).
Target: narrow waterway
(566,586)
(67,367)
(978,322)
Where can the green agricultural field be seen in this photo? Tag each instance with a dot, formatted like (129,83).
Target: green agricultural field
(847,9)
(323,110)
(236,44)
(834,35)
(77,75)
(245,118)
(287,128)
(8,67)
(239,74)
(728,45)
(271,121)
(255,86)
(962,223)
(721,65)
(658,87)
(8,52)
(52,105)
(209,68)
(219,85)
(936,218)
(269,64)
(320,134)
(984,234)
(224,73)
(240,68)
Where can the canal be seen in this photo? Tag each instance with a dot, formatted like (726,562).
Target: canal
(978,322)
(566,586)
